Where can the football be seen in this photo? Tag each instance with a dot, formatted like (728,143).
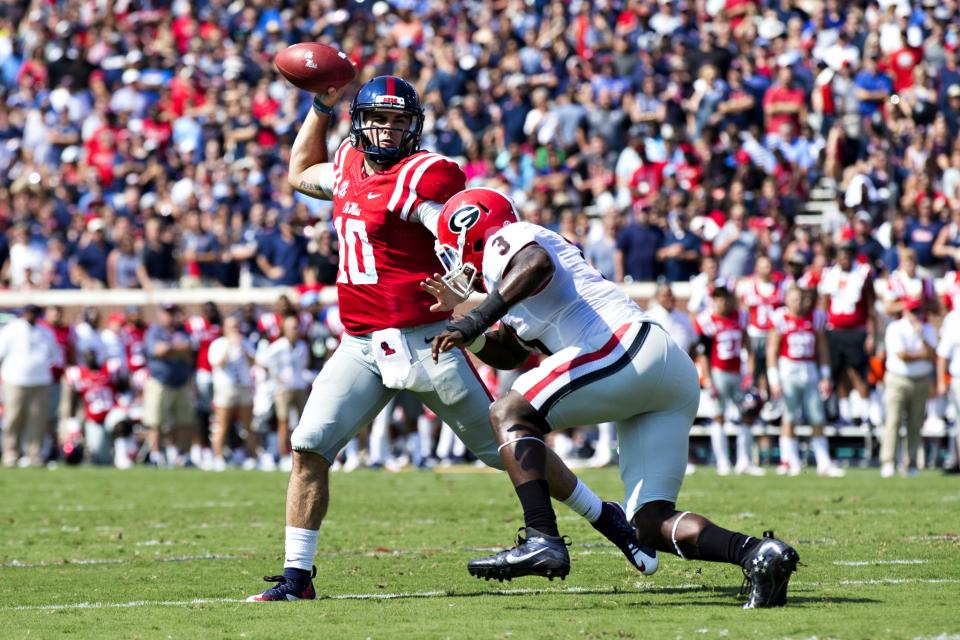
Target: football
(315,67)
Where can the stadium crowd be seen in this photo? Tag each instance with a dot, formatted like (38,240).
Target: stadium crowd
(144,144)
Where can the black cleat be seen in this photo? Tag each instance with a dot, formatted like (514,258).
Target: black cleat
(535,555)
(613,524)
(766,573)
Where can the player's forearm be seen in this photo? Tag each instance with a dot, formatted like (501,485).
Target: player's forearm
(309,147)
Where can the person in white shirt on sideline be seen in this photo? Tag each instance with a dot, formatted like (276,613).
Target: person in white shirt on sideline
(27,352)
(286,362)
(948,361)
(231,356)
(910,344)
(677,323)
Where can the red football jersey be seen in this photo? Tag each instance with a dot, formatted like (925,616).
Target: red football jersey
(847,293)
(761,299)
(133,338)
(798,334)
(95,387)
(202,333)
(62,335)
(727,334)
(384,252)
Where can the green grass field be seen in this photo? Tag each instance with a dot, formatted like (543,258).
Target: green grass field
(100,553)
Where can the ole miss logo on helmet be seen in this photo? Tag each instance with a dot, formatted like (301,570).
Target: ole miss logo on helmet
(464,218)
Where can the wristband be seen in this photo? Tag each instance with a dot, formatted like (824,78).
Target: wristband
(481,318)
(824,372)
(321,108)
(477,345)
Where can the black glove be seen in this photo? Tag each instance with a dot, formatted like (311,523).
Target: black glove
(480,317)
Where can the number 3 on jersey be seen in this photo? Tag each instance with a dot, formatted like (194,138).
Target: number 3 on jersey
(356,252)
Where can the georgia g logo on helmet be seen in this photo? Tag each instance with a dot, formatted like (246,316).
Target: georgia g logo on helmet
(464,218)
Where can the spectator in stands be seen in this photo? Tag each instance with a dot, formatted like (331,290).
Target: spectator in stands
(637,242)
(28,354)
(284,256)
(600,251)
(324,258)
(910,344)
(679,249)
(167,396)
(125,268)
(285,361)
(91,256)
(159,254)
(736,245)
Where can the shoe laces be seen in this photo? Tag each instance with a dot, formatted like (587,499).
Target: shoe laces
(284,579)
(522,540)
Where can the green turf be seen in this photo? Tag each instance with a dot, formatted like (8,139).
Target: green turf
(175,536)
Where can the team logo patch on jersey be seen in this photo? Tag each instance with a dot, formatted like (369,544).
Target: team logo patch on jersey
(464,218)
(342,191)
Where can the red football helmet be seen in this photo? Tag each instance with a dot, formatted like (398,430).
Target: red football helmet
(465,223)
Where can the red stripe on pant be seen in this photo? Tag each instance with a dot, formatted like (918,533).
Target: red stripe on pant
(581,360)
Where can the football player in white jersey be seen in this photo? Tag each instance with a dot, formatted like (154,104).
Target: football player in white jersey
(607,361)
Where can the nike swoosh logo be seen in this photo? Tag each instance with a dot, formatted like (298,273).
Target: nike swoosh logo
(516,559)
(429,339)
(371,196)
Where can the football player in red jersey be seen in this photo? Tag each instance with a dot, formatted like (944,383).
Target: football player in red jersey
(851,323)
(795,346)
(761,295)
(722,333)
(387,195)
(95,386)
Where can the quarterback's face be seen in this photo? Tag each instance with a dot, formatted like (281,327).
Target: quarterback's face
(386,128)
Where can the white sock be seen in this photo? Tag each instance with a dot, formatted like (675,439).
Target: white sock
(445,442)
(744,444)
(425,430)
(790,450)
(380,437)
(352,450)
(821,452)
(719,442)
(605,433)
(585,502)
(300,548)
(843,408)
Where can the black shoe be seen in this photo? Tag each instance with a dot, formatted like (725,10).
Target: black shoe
(535,555)
(613,524)
(954,470)
(766,573)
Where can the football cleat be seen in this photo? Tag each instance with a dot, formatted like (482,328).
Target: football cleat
(535,555)
(286,589)
(614,526)
(766,573)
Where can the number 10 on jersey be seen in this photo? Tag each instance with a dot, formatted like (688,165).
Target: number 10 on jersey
(356,253)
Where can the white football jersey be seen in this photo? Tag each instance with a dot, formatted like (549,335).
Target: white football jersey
(577,307)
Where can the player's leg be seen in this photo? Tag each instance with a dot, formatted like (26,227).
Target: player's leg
(572,387)
(813,405)
(462,402)
(896,393)
(346,395)
(916,412)
(727,387)
(792,411)
(653,458)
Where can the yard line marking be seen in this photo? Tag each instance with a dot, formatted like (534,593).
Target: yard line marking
(900,581)
(16,564)
(641,587)
(865,563)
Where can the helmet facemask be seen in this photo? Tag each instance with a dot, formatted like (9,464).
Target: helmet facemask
(458,275)
(369,138)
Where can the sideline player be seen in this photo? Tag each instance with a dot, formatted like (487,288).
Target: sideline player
(387,195)
(608,361)
(795,345)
